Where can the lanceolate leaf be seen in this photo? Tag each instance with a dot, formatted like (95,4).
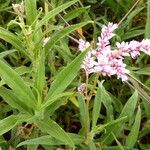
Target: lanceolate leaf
(130,106)
(5,53)
(40,74)
(144,71)
(97,105)
(54,12)
(13,100)
(17,84)
(83,111)
(65,77)
(12,39)
(147,31)
(53,129)
(128,111)
(49,140)
(8,123)
(30,8)
(57,36)
(133,135)
(56,98)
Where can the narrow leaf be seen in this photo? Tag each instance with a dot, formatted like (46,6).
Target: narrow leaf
(57,36)
(17,84)
(133,135)
(66,76)
(97,105)
(31,11)
(8,123)
(49,140)
(5,53)
(147,28)
(13,100)
(129,107)
(12,39)
(40,75)
(82,108)
(56,98)
(54,12)
(54,130)
(128,111)
(143,71)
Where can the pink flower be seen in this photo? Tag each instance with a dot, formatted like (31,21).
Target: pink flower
(81,88)
(109,62)
(145,46)
(83,45)
(120,70)
(88,63)
(103,65)
(106,35)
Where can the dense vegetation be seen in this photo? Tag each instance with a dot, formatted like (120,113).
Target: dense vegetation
(48,97)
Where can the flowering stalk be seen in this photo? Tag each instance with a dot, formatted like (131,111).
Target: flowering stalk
(108,61)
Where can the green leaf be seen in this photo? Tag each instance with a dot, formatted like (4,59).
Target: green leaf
(53,129)
(119,144)
(8,123)
(115,148)
(74,13)
(40,75)
(44,140)
(132,138)
(17,84)
(129,107)
(65,77)
(100,128)
(49,140)
(5,53)
(97,105)
(137,85)
(128,111)
(56,98)
(92,145)
(13,100)
(58,35)
(147,28)
(54,12)
(143,71)
(132,34)
(12,39)
(147,108)
(82,108)
(20,70)
(31,11)
(107,101)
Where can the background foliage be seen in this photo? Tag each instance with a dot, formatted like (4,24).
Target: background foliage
(40,105)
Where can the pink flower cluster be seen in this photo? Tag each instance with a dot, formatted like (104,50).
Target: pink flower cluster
(108,61)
